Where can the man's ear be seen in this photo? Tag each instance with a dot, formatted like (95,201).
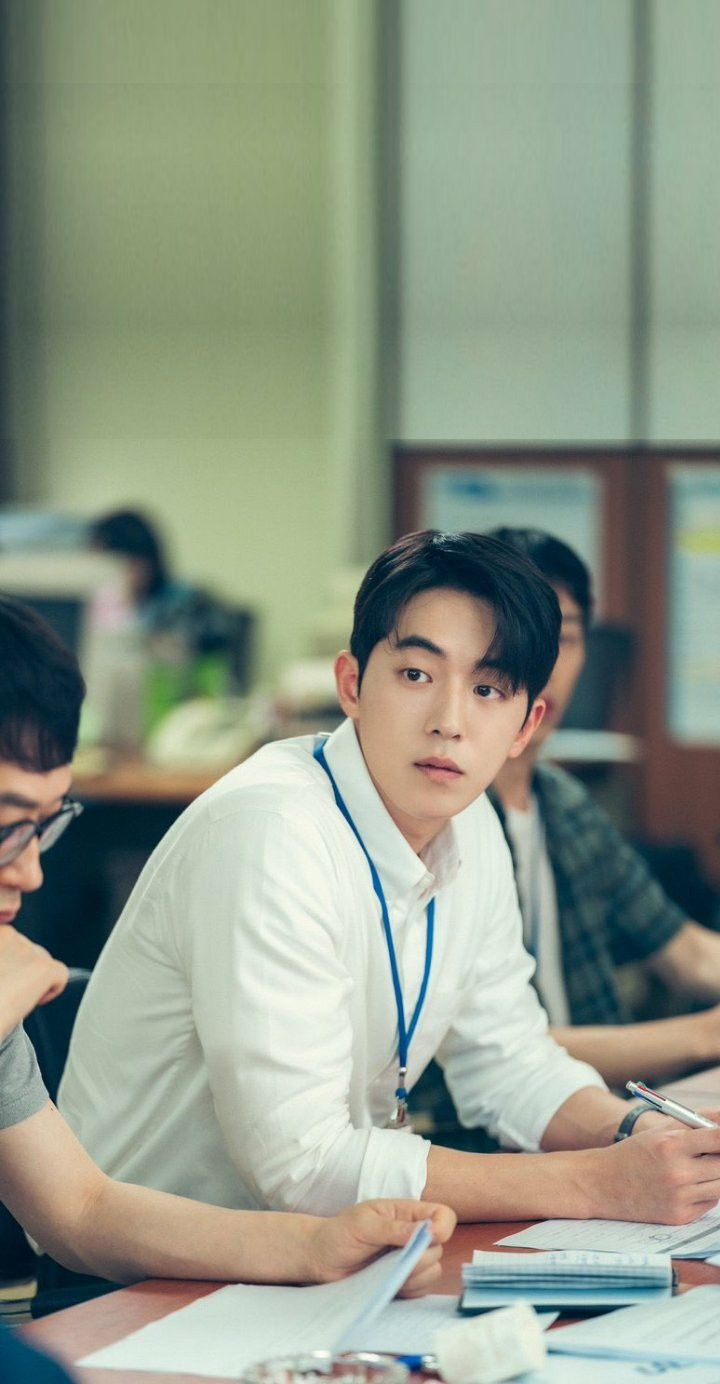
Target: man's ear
(527,731)
(346,681)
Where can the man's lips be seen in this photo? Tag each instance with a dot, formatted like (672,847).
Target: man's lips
(443,770)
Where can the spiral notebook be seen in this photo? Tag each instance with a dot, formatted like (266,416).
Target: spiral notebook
(564,1279)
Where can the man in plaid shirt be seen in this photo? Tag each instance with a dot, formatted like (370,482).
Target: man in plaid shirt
(589,901)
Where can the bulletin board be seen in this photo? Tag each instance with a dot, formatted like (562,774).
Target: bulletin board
(675,499)
(580,496)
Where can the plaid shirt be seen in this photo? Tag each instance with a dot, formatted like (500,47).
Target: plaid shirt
(610,911)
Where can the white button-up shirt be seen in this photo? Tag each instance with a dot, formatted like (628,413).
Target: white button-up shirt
(238,1039)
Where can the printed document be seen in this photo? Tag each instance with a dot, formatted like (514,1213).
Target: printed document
(569,1369)
(221,1334)
(685,1331)
(698,1240)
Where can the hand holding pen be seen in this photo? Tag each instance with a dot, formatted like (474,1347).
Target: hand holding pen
(666,1106)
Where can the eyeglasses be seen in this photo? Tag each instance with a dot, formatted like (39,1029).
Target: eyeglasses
(16,838)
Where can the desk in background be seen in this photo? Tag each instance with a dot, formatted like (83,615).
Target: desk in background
(135,783)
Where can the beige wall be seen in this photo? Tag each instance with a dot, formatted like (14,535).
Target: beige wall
(515,221)
(193,281)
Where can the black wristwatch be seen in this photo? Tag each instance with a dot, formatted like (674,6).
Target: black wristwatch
(627,1123)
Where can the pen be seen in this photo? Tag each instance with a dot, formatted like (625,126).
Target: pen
(666,1106)
(428,1363)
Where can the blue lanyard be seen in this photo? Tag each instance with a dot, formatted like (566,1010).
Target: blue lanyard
(404,1034)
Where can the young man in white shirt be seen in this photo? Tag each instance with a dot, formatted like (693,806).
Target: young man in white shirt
(90,1223)
(239,1039)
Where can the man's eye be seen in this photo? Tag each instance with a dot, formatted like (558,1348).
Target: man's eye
(415,675)
(487,693)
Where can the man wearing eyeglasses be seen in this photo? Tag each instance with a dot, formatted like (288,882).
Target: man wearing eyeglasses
(82,1218)
(25,967)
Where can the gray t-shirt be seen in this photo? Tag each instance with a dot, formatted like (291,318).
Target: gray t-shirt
(22,1089)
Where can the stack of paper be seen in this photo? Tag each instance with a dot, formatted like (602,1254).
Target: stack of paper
(685,1331)
(697,1240)
(573,1278)
(222,1334)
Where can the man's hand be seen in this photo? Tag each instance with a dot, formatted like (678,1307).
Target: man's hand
(355,1237)
(29,976)
(667,1176)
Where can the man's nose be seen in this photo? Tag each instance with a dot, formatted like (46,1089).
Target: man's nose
(446,715)
(24,873)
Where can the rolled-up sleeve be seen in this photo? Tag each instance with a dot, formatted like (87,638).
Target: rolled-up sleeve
(503,1069)
(271,1000)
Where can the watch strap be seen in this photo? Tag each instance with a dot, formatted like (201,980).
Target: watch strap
(627,1123)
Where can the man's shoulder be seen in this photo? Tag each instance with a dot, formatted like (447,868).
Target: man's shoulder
(22,1090)
(479,826)
(274,779)
(560,789)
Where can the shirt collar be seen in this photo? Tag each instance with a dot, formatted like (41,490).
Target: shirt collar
(402,872)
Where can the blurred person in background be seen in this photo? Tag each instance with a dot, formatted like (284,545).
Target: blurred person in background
(190,636)
(161,600)
(588,900)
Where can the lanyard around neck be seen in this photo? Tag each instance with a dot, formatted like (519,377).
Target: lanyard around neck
(405,1033)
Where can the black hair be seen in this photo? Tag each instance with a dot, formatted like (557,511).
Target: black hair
(525,644)
(558,563)
(129,533)
(41,692)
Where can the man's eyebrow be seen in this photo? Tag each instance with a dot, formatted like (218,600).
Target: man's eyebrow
(416,641)
(491,665)
(16,800)
(27,804)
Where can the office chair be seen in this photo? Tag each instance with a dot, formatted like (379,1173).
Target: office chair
(49,1028)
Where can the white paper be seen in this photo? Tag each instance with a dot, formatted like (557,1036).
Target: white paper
(221,1334)
(569,1369)
(408,1327)
(698,1240)
(575,1265)
(211,1335)
(686,1329)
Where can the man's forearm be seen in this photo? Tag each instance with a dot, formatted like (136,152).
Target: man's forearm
(572,1180)
(690,962)
(661,1048)
(132,1232)
(587,1120)
(510,1186)
(95,1225)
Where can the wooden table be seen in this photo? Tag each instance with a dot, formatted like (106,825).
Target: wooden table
(74,1333)
(134,781)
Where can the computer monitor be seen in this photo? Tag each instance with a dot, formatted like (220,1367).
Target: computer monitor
(85,598)
(70,590)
